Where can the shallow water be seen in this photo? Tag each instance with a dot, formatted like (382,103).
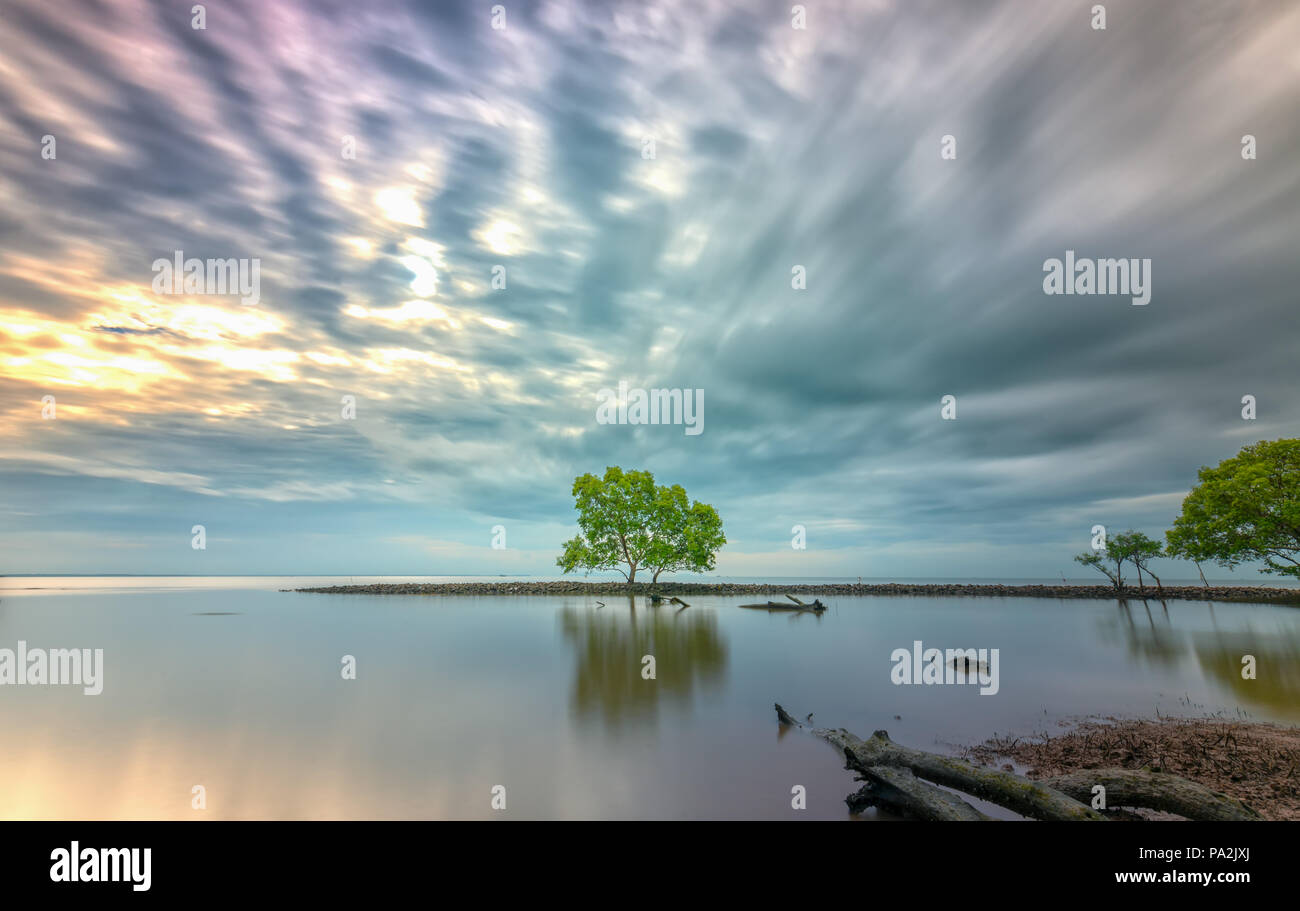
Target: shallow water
(236,687)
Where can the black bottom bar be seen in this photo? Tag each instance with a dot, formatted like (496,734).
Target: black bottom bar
(956,861)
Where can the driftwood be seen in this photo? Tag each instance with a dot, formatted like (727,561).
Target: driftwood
(816,607)
(905,781)
(785,718)
(1154,791)
(655,600)
(905,794)
(897,789)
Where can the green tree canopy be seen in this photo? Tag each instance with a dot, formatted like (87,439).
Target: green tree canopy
(1101,561)
(1246,509)
(1141,551)
(1132,547)
(628,523)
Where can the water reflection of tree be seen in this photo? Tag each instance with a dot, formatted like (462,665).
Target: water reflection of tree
(688,649)
(1276,687)
(1147,632)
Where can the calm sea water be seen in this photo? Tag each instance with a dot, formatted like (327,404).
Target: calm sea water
(234,686)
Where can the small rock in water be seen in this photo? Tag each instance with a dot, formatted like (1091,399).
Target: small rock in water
(968,666)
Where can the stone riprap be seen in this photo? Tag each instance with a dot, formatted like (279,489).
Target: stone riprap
(944,590)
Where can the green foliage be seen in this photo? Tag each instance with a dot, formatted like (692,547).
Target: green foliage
(1139,550)
(685,536)
(1102,562)
(1098,561)
(1246,509)
(1132,547)
(629,521)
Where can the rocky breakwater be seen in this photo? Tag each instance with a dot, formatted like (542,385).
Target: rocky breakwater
(940,590)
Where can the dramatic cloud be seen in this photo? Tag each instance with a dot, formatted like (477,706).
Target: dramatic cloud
(385,163)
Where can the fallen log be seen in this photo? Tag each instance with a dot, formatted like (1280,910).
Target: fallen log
(1153,791)
(785,717)
(656,600)
(899,790)
(1028,798)
(816,607)
(877,760)
(903,793)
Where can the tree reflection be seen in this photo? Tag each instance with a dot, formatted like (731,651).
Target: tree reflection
(1276,687)
(688,649)
(1148,633)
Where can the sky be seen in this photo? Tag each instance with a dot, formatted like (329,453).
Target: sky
(647,178)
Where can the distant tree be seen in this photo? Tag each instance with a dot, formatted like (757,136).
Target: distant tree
(629,521)
(1100,560)
(1132,547)
(1246,509)
(1140,551)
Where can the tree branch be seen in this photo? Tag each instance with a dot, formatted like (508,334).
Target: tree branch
(894,776)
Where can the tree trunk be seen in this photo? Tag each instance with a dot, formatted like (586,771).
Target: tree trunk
(895,773)
(901,792)
(1019,794)
(1155,791)
(816,607)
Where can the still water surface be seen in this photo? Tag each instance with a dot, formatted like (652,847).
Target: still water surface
(235,686)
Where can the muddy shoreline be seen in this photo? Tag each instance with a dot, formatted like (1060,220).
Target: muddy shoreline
(1249,594)
(1255,762)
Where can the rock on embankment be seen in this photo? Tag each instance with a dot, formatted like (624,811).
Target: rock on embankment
(1170,593)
